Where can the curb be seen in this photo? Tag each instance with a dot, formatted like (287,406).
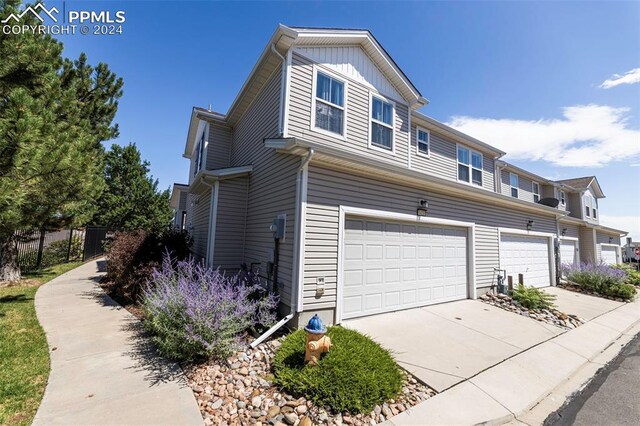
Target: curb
(527,387)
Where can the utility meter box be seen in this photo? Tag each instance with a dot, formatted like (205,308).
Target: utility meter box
(278,227)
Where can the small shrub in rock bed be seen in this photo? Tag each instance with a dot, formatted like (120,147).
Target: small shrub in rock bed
(532,298)
(354,376)
(601,279)
(196,312)
(633,275)
(132,256)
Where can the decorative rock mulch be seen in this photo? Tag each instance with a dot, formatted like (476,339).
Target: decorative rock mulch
(550,316)
(568,285)
(240,391)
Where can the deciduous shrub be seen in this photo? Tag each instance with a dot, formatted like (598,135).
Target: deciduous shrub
(633,276)
(532,298)
(600,278)
(355,375)
(132,256)
(196,312)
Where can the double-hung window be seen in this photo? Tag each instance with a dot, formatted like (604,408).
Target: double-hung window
(594,207)
(469,166)
(199,154)
(514,181)
(329,104)
(587,205)
(535,188)
(563,198)
(423,138)
(381,123)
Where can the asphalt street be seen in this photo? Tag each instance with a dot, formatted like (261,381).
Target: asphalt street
(612,397)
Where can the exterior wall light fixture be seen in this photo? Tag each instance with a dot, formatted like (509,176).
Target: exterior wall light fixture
(564,231)
(422,208)
(529,225)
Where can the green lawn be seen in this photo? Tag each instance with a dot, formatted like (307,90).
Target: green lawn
(24,355)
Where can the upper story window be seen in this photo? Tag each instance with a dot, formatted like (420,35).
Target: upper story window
(514,181)
(329,104)
(469,166)
(381,123)
(587,205)
(423,137)
(199,154)
(590,206)
(535,189)
(563,198)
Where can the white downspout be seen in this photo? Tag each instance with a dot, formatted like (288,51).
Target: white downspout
(298,248)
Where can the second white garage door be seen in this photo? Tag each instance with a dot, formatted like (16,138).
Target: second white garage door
(568,252)
(390,266)
(527,255)
(609,254)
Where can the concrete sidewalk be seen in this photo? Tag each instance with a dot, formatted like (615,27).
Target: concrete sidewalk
(103,369)
(544,374)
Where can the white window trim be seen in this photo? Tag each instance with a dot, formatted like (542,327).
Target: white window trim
(533,193)
(312,125)
(586,201)
(470,165)
(517,188)
(392,126)
(204,136)
(383,214)
(421,153)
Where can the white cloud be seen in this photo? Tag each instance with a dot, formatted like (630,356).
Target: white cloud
(630,77)
(586,136)
(631,224)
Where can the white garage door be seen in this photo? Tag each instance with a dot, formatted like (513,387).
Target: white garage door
(609,254)
(527,255)
(568,252)
(390,266)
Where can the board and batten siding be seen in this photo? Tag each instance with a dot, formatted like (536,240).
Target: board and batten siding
(230,223)
(328,189)
(218,147)
(198,219)
(442,160)
(272,183)
(357,117)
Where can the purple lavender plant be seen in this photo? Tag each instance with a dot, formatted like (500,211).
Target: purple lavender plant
(594,276)
(198,312)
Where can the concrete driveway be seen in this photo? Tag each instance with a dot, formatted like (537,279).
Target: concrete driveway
(446,344)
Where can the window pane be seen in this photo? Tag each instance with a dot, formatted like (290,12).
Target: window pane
(477,176)
(387,113)
(463,172)
(329,118)
(423,136)
(514,192)
(595,215)
(476,160)
(463,156)
(381,135)
(514,180)
(337,92)
(536,188)
(376,109)
(323,87)
(423,147)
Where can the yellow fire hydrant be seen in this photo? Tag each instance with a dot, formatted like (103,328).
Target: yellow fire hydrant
(317,342)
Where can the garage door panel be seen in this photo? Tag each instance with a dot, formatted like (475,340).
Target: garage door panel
(568,252)
(609,254)
(392,265)
(527,255)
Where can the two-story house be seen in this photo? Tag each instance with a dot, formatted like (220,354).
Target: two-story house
(323,176)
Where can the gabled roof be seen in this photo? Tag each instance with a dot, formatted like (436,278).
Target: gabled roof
(175,193)
(583,183)
(204,114)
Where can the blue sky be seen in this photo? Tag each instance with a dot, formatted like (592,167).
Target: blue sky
(525,77)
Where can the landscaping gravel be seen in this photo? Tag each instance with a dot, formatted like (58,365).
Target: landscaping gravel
(240,391)
(550,316)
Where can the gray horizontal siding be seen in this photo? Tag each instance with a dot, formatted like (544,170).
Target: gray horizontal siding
(572,230)
(587,245)
(357,117)
(272,183)
(231,223)
(331,188)
(218,147)
(182,202)
(525,189)
(198,218)
(603,237)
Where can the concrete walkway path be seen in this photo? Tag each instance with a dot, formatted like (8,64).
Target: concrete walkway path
(103,368)
(543,376)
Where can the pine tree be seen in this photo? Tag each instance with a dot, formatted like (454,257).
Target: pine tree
(54,115)
(131,200)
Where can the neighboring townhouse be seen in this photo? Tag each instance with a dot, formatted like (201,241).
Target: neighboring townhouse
(325,178)
(178,202)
